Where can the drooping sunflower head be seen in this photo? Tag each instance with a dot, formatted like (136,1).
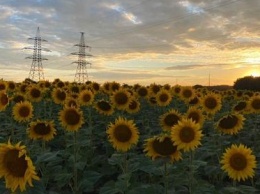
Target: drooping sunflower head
(4,100)
(186,134)
(71,118)
(58,95)
(230,124)
(120,99)
(134,106)
(169,119)
(161,146)
(239,162)
(122,134)
(254,104)
(23,111)
(211,103)
(195,114)
(18,97)
(104,107)
(16,167)
(194,101)
(163,97)
(240,107)
(86,97)
(34,94)
(41,130)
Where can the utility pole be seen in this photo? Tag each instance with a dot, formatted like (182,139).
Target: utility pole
(81,75)
(36,71)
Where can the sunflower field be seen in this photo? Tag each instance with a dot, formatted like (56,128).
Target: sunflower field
(111,138)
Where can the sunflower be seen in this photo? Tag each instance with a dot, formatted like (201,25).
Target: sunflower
(142,91)
(11,85)
(34,94)
(114,86)
(23,111)
(240,107)
(16,167)
(186,134)
(238,162)
(194,101)
(106,87)
(154,89)
(23,87)
(41,130)
(254,104)
(162,146)
(176,90)
(71,118)
(123,134)
(58,95)
(120,99)
(187,93)
(86,97)
(134,106)
(231,124)
(4,100)
(3,85)
(211,103)
(195,114)
(74,88)
(104,107)
(18,97)
(163,97)
(70,101)
(95,87)
(169,119)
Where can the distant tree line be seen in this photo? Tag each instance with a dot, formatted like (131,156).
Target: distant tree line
(247,83)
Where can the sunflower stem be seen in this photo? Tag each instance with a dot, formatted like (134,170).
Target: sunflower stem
(75,172)
(191,172)
(165,178)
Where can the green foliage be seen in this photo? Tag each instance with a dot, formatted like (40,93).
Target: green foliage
(247,83)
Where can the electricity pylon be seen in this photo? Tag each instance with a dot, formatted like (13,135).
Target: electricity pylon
(36,71)
(81,75)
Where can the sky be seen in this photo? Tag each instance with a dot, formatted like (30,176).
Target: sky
(185,42)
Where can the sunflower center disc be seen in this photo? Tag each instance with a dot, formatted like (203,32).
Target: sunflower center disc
(42,129)
(256,104)
(72,117)
(210,103)
(164,148)
(240,106)
(121,98)
(171,120)
(122,133)
(61,95)
(164,97)
(194,116)
(4,99)
(86,98)
(15,165)
(238,161)
(24,111)
(187,93)
(229,122)
(104,106)
(36,93)
(187,134)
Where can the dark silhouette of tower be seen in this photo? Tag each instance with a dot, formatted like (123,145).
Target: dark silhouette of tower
(81,75)
(36,71)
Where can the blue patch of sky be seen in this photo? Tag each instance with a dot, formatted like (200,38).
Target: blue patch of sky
(191,8)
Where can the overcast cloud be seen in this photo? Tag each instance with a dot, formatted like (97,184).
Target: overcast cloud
(152,40)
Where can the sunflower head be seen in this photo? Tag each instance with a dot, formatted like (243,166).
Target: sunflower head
(23,111)
(240,107)
(16,167)
(4,100)
(231,124)
(122,134)
(86,97)
(134,106)
(41,130)
(104,107)
(154,89)
(254,104)
(58,95)
(239,162)
(169,119)
(187,93)
(121,99)
(162,146)
(3,85)
(186,134)
(163,97)
(142,91)
(71,118)
(34,94)
(211,103)
(196,115)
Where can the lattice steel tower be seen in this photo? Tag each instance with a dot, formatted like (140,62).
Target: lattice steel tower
(81,75)
(36,71)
